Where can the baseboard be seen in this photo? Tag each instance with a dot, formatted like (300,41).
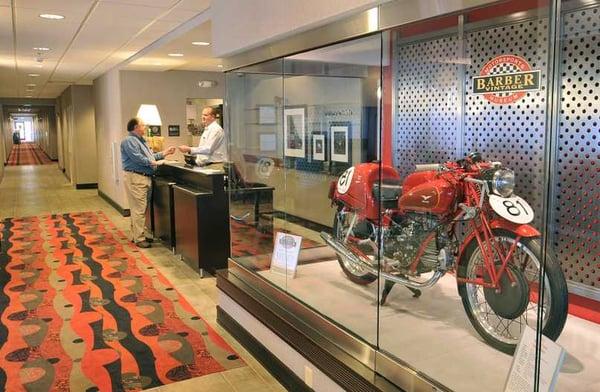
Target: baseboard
(122,211)
(87,186)
(278,369)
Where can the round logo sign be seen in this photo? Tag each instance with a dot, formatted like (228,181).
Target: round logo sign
(506,79)
(345,181)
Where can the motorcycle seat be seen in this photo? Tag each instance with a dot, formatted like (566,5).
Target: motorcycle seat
(387,193)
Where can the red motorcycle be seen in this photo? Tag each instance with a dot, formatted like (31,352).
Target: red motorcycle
(407,232)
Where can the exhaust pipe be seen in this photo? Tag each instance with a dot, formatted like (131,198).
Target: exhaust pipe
(344,252)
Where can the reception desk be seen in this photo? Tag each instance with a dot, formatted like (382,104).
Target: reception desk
(191,214)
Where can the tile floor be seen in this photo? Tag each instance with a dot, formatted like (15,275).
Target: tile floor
(37,190)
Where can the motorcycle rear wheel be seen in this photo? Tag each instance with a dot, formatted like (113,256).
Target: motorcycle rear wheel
(504,333)
(358,275)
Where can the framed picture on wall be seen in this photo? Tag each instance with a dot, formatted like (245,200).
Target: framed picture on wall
(340,142)
(318,147)
(173,130)
(267,115)
(294,132)
(154,130)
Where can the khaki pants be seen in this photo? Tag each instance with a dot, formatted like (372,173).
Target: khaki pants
(138,189)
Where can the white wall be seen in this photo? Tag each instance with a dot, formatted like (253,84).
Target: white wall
(239,25)
(109,132)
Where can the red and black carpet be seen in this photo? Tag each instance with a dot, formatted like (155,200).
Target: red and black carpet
(27,154)
(82,309)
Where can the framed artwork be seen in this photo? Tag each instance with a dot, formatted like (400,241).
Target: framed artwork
(267,115)
(267,142)
(318,147)
(173,130)
(340,142)
(294,132)
(154,130)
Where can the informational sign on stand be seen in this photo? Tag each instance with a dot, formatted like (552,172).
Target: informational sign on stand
(521,375)
(285,254)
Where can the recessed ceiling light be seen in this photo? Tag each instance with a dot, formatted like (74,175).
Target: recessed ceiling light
(52,16)
(200,43)
(29,96)
(176,54)
(41,49)
(220,65)
(33,75)
(31,85)
(39,65)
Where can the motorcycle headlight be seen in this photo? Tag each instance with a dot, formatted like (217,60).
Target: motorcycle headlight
(503,182)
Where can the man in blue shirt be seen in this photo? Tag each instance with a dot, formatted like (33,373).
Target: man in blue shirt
(139,164)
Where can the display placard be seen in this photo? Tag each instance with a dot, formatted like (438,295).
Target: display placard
(154,130)
(521,374)
(285,254)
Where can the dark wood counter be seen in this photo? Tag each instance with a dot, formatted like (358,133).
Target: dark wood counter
(193,202)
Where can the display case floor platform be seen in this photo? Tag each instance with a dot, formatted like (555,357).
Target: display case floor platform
(432,333)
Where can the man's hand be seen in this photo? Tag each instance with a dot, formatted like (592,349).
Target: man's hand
(185,149)
(169,151)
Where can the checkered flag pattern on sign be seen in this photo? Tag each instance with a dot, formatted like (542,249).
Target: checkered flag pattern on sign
(504,68)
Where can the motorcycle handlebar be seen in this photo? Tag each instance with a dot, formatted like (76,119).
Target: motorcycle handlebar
(428,166)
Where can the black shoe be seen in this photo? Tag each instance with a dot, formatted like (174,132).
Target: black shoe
(143,244)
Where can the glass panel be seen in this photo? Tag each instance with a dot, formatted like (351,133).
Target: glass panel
(330,126)
(254,107)
(574,201)
(471,97)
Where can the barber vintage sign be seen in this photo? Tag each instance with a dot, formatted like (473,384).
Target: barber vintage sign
(506,79)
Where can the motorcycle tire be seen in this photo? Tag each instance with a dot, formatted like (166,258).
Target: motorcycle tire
(556,283)
(362,279)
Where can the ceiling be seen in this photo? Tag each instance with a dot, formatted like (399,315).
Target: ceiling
(94,36)
(195,58)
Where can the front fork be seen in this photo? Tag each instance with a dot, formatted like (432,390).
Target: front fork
(495,255)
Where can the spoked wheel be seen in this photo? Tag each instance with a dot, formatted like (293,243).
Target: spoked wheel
(342,222)
(500,316)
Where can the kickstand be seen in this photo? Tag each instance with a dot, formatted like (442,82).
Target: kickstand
(386,290)
(388,287)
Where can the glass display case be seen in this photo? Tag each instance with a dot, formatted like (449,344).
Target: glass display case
(431,190)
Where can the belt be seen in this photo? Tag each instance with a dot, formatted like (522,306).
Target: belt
(140,173)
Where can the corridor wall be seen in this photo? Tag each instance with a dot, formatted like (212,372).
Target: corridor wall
(78,139)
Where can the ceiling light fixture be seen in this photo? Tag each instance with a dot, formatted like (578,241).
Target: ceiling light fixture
(31,85)
(33,75)
(200,43)
(220,65)
(176,54)
(41,49)
(52,16)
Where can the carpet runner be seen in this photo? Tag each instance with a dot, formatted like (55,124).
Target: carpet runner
(83,309)
(27,154)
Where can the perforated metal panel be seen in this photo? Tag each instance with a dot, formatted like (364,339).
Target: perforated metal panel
(576,204)
(513,134)
(428,122)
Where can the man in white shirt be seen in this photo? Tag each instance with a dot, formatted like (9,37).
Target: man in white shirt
(213,145)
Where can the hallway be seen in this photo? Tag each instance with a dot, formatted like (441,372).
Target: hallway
(37,191)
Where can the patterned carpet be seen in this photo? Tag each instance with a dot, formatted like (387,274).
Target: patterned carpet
(82,309)
(27,154)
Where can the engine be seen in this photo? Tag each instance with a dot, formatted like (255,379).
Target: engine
(404,239)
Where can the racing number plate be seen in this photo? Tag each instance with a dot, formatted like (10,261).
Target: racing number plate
(345,181)
(514,209)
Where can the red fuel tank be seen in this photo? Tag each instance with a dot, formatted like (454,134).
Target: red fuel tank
(426,192)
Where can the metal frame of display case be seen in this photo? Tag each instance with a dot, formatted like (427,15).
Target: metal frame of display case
(353,360)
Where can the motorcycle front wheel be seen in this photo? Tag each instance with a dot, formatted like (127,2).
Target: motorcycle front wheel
(341,225)
(500,316)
